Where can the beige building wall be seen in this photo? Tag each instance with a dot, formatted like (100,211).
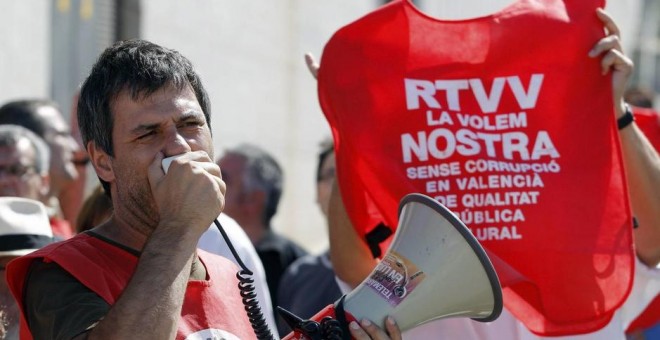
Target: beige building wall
(250,57)
(24,49)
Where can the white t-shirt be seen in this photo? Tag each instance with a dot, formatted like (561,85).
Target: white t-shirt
(213,242)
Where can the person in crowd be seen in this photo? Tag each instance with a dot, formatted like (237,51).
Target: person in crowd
(353,260)
(44,118)
(139,275)
(24,228)
(308,284)
(254,187)
(24,162)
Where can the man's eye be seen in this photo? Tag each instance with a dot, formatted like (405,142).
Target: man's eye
(192,124)
(148,134)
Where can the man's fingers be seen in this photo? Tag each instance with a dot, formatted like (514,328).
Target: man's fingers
(209,167)
(367,330)
(392,328)
(312,65)
(610,42)
(222,186)
(357,332)
(608,22)
(615,60)
(200,156)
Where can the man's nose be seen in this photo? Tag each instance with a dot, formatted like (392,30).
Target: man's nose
(175,144)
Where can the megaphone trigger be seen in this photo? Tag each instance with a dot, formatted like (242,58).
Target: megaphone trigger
(333,323)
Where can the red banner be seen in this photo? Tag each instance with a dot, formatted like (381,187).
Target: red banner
(506,121)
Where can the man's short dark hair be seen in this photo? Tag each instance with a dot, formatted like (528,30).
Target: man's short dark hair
(24,113)
(140,68)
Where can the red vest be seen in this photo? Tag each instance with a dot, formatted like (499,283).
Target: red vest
(209,306)
(506,121)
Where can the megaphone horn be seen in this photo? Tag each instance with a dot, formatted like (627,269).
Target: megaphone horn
(435,268)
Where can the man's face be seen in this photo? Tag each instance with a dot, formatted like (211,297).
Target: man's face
(233,168)
(18,175)
(62,148)
(169,121)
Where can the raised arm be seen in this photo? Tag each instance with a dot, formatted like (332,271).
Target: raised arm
(643,174)
(641,160)
(351,258)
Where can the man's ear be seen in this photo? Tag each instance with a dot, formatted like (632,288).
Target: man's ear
(101,161)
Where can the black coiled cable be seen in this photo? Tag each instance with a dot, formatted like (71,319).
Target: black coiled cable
(249,297)
(331,329)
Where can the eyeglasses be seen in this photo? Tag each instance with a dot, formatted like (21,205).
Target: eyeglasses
(16,170)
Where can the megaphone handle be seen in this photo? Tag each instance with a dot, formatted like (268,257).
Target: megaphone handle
(329,311)
(343,317)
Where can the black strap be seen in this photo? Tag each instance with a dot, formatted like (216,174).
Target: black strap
(626,119)
(376,236)
(341,317)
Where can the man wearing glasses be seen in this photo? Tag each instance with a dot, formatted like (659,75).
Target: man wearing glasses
(24,165)
(44,118)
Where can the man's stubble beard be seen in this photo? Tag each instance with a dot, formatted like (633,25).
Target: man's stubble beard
(137,200)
